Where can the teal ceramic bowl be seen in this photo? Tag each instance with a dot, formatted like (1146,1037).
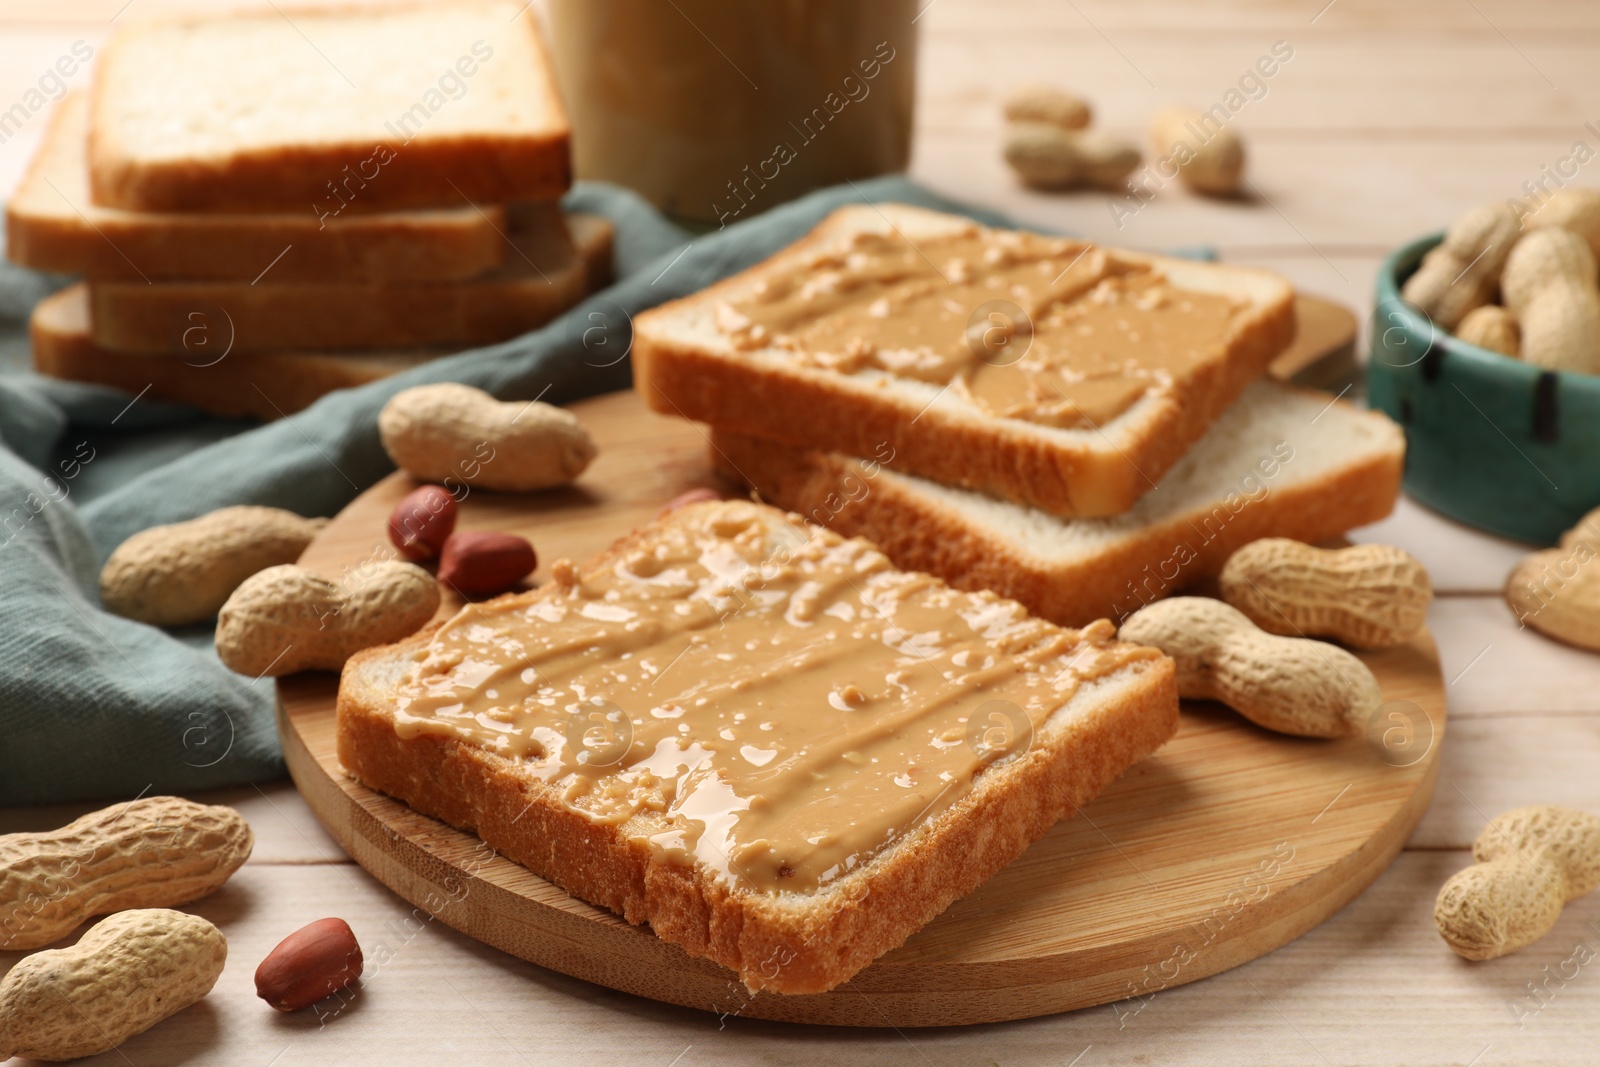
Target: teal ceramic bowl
(1491,441)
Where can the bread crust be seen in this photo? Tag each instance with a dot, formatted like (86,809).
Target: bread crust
(155,319)
(919,533)
(377,248)
(51,225)
(263,386)
(432,173)
(776,944)
(1066,473)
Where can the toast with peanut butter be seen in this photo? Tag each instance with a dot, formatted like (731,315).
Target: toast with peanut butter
(1041,370)
(760,738)
(1281,462)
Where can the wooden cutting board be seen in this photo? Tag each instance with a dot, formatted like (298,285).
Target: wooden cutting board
(1228,843)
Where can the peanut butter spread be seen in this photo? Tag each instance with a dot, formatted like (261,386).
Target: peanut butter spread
(1053,331)
(743,691)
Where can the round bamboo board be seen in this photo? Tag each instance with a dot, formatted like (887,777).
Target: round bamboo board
(1228,843)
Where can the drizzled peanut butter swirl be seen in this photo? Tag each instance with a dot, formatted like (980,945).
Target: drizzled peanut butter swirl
(1049,330)
(742,690)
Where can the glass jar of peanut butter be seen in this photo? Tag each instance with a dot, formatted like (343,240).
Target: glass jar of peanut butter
(719,109)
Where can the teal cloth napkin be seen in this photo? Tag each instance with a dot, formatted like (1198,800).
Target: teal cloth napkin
(95,706)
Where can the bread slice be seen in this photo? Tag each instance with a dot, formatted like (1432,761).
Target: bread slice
(328,111)
(52,224)
(262,386)
(545,273)
(686,363)
(664,858)
(1282,462)
(265,386)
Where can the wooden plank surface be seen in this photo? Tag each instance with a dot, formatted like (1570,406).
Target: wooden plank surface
(1390,120)
(1373,985)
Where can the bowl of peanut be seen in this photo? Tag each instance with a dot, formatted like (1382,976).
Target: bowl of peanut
(1486,349)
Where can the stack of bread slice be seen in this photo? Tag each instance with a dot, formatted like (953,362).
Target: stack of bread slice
(1081,429)
(267,206)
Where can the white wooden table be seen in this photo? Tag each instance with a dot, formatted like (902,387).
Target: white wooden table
(1388,121)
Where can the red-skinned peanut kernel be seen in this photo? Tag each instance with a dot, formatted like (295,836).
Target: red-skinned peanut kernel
(476,563)
(422,521)
(315,961)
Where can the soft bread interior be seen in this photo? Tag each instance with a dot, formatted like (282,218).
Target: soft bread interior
(207,88)
(1323,435)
